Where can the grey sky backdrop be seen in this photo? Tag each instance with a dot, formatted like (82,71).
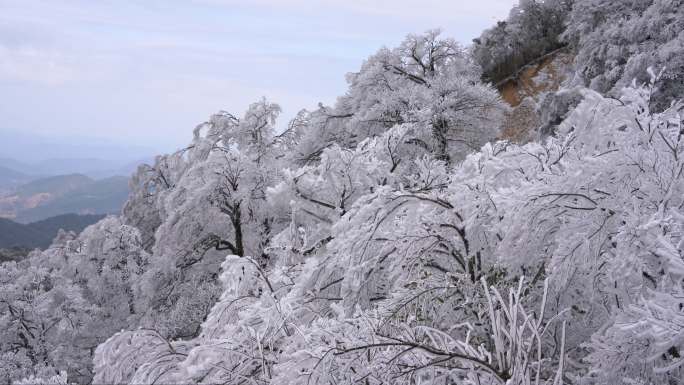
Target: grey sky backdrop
(126,79)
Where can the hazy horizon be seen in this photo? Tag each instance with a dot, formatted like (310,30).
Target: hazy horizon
(125,80)
(32,148)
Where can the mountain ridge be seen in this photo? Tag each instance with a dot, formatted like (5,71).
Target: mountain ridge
(92,167)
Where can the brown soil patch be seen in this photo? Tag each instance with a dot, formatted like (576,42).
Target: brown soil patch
(546,74)
(522,92)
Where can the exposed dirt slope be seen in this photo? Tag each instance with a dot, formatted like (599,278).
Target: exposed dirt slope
(524,90)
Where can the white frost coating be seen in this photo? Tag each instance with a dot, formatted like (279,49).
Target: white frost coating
(379,273)
(368,245)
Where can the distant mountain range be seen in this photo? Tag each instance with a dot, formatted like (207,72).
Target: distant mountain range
(53,153)
(63,194)
(40,234)
(37,199)
(92,167)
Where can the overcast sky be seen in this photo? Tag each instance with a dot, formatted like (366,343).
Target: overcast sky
(142,74)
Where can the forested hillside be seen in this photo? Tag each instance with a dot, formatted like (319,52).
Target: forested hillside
(397,236)
(41,233)
(48,197)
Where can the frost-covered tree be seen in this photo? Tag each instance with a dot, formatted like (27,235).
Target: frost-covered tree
(40,315)
(616,41)
(616,165)
(217,204)
(148,187)
(427,81)
(533,28)
(59,304)
(385,271)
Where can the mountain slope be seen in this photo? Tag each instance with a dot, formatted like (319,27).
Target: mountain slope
(14,234)
(54,185)
(68,222)
(40,234)
(104,196)
(528,89)
(64,194)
